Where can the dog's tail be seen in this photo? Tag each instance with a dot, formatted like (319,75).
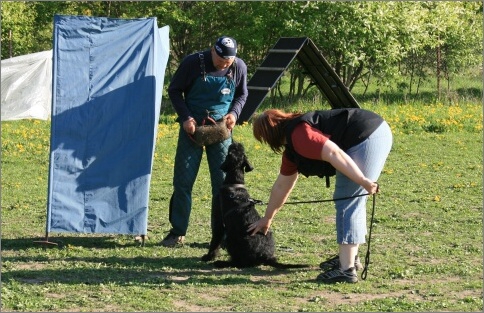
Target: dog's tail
(276,264)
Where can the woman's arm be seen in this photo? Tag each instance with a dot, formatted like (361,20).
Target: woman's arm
(344,163)
(280,191)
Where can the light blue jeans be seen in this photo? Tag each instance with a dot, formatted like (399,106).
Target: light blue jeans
(370,156)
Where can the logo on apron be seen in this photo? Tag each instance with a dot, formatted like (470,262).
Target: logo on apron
(225,91)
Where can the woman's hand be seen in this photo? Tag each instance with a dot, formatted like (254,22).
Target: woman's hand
(371,187)
(261,225)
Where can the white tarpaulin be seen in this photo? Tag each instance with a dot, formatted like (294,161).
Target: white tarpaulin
(27,86)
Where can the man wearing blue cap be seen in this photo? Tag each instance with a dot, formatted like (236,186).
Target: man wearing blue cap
(212,85)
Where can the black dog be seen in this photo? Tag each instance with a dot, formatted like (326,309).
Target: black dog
(236,213)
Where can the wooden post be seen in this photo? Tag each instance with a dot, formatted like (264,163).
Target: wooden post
(438,70)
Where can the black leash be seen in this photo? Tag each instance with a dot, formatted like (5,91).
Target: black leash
(327,200)
(367,256)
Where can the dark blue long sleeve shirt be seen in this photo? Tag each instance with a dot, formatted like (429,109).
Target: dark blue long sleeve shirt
(189,70)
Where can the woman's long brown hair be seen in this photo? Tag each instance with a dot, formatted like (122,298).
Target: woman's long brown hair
(268,127)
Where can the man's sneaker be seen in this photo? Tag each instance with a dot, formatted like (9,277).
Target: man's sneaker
(172,240)
(338,276)
(333,264)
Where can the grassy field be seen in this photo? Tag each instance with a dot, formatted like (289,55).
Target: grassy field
(426,248)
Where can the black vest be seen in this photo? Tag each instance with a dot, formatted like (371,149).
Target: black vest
(346,128)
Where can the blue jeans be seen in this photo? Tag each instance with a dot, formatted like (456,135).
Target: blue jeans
(370,156)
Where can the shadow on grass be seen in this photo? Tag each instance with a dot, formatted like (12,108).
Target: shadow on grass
(146,271)
(143,271)
(105,242)
(99,242)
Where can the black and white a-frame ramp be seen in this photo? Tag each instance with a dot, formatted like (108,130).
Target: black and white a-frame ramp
(278,60)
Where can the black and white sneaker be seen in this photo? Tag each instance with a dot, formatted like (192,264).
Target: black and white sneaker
(338,276)
(333,264)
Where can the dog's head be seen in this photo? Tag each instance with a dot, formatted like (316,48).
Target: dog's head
(236,159)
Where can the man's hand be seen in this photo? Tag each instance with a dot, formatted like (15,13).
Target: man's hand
(189,125)
(230,121)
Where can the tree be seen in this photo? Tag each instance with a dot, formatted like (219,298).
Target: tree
(440,47)
(392,42)
(18,28)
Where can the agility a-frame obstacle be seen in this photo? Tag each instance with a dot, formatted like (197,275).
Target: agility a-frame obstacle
(278,59)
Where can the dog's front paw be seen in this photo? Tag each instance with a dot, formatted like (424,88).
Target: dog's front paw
(209,256)
(222,264)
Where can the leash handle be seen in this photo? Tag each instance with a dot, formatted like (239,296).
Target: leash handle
(210,119)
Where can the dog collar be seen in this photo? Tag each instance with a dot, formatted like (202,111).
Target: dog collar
(234,185)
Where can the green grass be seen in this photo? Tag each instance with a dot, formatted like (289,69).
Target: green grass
(426,249)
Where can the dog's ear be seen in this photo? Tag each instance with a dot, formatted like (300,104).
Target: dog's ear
(247,166)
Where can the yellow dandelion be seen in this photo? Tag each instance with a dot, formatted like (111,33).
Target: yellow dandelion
(388,171)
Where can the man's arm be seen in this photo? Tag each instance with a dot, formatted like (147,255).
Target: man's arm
(179,85)
(241,91)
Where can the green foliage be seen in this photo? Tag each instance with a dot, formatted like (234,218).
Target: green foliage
(426,246)
(17,28)
(364,41)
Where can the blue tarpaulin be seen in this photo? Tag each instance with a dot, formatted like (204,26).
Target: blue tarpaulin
(107,83)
